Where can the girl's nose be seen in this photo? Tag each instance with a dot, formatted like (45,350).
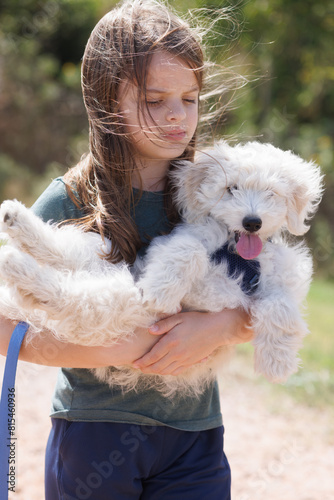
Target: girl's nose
(175,112)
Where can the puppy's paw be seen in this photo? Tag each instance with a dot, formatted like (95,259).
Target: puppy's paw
(10,213)
(275,364)
(159,305)
(11,264)
(163,292)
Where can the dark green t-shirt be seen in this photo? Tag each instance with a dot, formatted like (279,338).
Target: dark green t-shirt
(79,396)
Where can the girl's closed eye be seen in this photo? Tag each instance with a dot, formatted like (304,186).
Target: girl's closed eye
(154,102)
(159,102)
(190,100)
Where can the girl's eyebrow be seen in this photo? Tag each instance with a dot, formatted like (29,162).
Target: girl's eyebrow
(166,91)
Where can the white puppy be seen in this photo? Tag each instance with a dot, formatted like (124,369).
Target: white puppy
(248,197)
(239,200)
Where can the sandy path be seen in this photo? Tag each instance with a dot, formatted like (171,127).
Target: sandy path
(277,449)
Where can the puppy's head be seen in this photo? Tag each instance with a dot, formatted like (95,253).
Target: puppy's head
(253,188)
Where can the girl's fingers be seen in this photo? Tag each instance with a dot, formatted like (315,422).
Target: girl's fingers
(177,369)
(167,366)
(162,367)
(161,348)
(165,325)
(156,354)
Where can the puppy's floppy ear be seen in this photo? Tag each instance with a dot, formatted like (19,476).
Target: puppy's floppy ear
(305,191)
(196,186)
(187,178)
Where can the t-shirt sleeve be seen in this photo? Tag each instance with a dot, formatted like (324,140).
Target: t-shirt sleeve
(55,205)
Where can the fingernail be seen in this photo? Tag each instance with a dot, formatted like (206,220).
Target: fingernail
(154,328)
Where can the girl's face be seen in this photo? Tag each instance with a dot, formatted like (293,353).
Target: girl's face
(162,126)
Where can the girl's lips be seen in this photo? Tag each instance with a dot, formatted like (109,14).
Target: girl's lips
(175,135)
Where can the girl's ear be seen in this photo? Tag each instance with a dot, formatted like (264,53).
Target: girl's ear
(306,188)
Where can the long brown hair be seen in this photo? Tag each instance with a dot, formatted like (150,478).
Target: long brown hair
(120,48)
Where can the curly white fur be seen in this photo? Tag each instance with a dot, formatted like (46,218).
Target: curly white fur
(57,278)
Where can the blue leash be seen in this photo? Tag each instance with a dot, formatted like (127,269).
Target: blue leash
(8,411)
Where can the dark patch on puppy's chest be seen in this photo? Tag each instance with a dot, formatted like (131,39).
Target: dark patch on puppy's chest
(250,269)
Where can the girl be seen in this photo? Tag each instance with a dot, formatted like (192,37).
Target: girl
(142,75)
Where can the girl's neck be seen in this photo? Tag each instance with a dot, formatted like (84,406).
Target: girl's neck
(151,176)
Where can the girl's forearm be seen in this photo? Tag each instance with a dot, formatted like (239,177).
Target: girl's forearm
(46,350)
(225,328)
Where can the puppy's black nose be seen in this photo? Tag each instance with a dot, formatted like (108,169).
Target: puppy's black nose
(252,224)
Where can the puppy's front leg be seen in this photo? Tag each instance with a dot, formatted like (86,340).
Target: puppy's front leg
(172,265)
(279,330)
(277,320)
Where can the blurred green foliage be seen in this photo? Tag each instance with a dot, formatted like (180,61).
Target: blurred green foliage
(285,47)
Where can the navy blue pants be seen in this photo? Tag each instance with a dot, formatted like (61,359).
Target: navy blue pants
(114,461)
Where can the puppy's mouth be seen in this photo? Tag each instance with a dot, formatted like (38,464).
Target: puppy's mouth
(248,245)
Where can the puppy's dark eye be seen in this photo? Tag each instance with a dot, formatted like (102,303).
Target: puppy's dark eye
(270,194)
(231,189)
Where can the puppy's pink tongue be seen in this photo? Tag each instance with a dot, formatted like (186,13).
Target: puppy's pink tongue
(249,246)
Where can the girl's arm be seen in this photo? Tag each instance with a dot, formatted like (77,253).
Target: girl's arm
(189,337)
(46,350)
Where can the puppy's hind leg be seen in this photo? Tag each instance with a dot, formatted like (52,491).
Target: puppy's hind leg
(42,288)
(34,285)
(77,306)
(27,231)
(64,248)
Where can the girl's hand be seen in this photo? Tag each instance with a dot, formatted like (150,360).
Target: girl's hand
(190,337)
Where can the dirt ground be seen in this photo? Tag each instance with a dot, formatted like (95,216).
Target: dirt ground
(277,449)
